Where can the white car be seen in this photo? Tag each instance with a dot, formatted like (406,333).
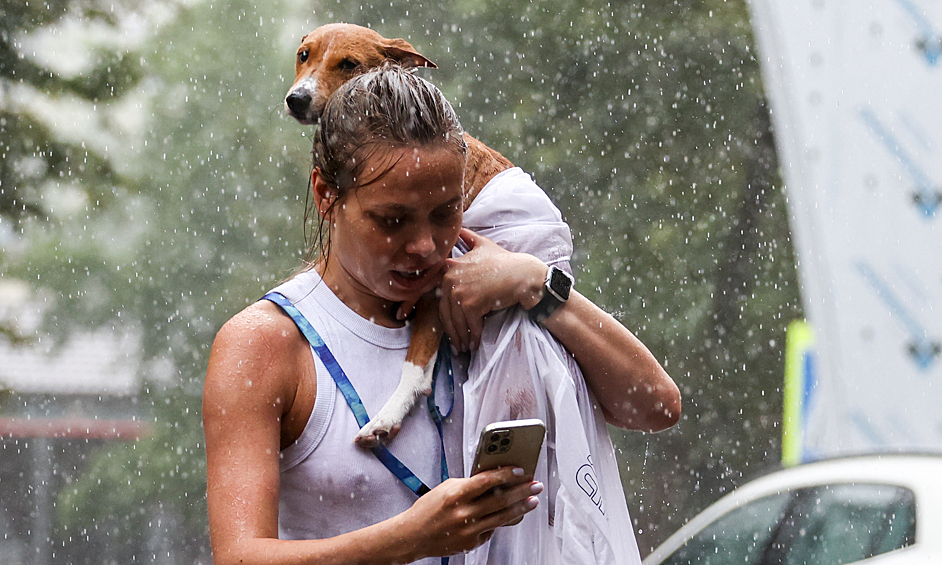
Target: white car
(880,509)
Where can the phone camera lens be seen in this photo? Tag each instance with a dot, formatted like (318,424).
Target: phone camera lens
(491,448)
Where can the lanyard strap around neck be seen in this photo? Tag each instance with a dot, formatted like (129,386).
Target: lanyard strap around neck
(395,466)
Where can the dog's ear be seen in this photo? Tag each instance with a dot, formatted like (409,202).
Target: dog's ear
(400,51)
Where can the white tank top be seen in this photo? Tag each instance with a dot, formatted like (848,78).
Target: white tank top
(329,486)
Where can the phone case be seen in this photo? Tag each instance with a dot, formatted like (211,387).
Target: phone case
(512,443)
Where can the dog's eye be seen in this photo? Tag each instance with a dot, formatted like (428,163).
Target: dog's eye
(302,55)
(347,65)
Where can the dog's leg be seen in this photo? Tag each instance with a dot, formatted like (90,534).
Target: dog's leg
(416,379)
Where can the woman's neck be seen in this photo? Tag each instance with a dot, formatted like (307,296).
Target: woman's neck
(367,305)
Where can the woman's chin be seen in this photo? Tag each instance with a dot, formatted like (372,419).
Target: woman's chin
(412,285)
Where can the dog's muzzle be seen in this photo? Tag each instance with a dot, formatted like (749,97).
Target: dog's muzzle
(299,101)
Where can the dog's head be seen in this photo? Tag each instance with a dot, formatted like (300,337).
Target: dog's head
(331,55)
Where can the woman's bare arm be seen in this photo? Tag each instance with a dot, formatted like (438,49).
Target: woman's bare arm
(635,392)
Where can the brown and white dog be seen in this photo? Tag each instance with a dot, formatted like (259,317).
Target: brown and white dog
(329,56)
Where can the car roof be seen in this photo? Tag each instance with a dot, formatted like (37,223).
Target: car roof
(919,473)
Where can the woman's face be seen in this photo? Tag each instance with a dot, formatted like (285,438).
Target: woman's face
(390,236)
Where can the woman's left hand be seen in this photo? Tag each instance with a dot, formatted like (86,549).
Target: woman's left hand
(485,279)
(634,390)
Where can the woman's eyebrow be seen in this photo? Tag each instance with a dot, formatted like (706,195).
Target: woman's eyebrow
(399,208)
(456,200)
(392,208)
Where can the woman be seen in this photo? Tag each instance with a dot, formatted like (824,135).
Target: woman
(387,182)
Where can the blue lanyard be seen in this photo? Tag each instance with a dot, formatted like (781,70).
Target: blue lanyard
(391,462)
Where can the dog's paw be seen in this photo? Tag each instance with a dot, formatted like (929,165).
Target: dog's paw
(375,432)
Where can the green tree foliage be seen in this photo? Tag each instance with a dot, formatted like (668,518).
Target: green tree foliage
(31,152)
(33,157)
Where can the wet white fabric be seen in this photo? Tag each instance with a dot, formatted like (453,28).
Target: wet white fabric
(514,212)
(521,371)
(328,485)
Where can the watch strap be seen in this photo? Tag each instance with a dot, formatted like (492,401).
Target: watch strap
(551,298)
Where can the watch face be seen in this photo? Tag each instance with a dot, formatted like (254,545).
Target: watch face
(560,283)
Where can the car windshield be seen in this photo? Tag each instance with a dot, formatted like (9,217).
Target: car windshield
(740,536)
(826,525)
(839,524)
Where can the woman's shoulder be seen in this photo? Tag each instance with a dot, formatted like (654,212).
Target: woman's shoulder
(260,341)
(261,325)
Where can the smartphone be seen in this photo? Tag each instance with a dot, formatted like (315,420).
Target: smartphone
(513,443)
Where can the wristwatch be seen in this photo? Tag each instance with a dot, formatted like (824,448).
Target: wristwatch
(556,289)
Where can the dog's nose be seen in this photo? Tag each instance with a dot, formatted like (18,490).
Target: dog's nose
(298,101)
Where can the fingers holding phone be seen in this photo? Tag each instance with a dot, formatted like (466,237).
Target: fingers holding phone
(461,514)
(510,502)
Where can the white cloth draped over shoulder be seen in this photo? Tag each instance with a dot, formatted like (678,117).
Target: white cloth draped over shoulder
(520,371)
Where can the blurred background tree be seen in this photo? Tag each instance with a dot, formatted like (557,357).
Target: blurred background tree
(645,121)
(36,163)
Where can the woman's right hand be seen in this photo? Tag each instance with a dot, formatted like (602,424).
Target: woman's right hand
(461,514)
